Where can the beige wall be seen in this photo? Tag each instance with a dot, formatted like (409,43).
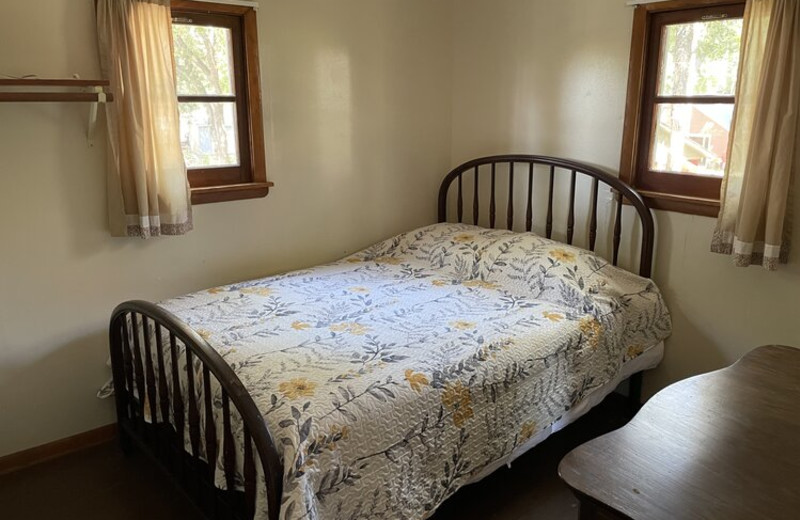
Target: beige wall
(549,76)
(368,102)
(358,135)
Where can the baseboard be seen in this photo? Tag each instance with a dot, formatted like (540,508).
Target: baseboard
(55,449)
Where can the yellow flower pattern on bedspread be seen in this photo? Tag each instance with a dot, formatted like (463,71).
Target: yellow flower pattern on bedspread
(392,377)
(297,388)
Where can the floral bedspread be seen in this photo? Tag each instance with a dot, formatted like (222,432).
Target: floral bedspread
(391,377)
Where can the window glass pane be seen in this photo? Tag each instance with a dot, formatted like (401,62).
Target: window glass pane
(209,134)
(691,138)
(700,58)
(203,60)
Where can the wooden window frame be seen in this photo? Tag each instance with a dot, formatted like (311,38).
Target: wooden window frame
(692,194)
(249,179)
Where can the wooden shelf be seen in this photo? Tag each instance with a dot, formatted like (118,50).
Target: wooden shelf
(75,83)
(34,90)
(48,90)
(59,97)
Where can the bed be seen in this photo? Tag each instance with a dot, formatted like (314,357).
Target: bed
(378,385)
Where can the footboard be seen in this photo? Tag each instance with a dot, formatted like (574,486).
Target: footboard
(166,377)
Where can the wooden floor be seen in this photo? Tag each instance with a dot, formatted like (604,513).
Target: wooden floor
(100,483)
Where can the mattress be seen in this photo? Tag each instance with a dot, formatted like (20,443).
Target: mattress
(399,374)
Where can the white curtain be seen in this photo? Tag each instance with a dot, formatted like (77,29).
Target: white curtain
(148,189)
(754,223)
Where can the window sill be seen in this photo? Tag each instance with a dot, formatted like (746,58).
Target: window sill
(211,194)
(681,203)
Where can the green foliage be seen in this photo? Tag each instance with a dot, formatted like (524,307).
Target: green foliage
(701,58)
(722,42)
(203,59)
(204,66)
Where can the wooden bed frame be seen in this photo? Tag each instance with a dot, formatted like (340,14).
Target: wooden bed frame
(155,422)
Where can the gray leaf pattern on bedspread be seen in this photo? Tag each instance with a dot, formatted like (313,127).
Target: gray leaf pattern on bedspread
(391,377)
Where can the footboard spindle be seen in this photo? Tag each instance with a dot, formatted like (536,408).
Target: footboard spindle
(159,389)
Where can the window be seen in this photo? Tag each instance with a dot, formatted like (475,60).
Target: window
(681,98)
(219,99)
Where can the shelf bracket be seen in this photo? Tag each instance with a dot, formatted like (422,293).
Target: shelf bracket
(101,98)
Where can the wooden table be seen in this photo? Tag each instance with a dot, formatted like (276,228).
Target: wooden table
(724,445)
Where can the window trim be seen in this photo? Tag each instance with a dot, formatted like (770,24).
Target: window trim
(704,197)
(257,185)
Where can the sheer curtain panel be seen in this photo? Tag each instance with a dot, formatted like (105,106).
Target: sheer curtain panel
(148,189)
(756,211)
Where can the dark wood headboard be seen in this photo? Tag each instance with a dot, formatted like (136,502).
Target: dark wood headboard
(524,165)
